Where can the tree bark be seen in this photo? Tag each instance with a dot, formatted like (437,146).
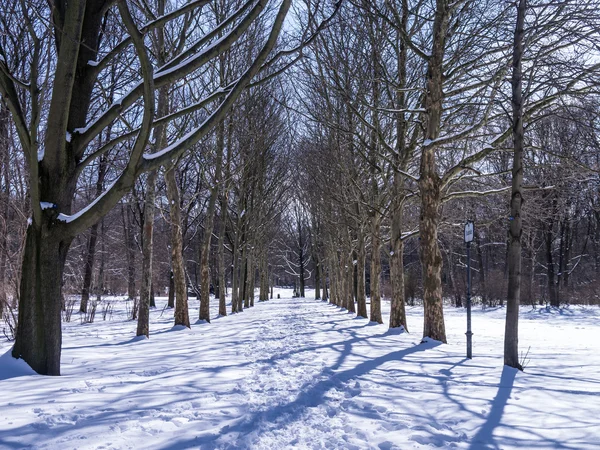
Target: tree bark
(221,257)
(209,227)
(511,333)
(430,183)
(361,296)
(130,245)
(401,158)
(397,307)
(143,325)
(375,313)
(91,251)
(182,316)
(39,336)
(550,270)
(4,203)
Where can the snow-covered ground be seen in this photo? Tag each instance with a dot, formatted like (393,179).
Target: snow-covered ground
(299,373)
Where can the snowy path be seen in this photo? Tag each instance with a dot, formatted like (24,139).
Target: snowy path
(299,373)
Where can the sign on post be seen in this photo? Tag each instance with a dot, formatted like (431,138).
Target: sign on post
(469,230)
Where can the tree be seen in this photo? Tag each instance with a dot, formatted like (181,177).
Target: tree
(69,138)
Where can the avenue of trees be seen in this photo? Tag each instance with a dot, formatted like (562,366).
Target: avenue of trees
(197,149)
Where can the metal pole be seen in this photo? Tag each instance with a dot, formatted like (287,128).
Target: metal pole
(468,333)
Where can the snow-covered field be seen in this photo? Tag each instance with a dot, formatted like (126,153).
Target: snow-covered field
(299,373)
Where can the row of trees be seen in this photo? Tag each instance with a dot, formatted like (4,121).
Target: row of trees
(421,115)
(102,97)
(150,138)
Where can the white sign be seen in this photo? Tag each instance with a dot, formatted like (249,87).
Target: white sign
(469,230)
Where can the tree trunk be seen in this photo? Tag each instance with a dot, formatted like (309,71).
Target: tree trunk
(143,325)
(511,334)
(221,262)
(361,296)
(482,283)
(550,271)
(235,277)
(397,307)
(252,280)
(130,244)
(89,268)
(4,203)
(349,280)
(182,316)
(317,278)
(91,251)
(100,284)
(38,338)
(567,257)
(429,183)
(152,298)
(324,281)
(171,293)
(209,227)
(243,300)
(375,312)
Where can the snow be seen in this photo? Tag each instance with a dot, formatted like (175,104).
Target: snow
(47,205)
(70,218)
(300,373)
(93,63)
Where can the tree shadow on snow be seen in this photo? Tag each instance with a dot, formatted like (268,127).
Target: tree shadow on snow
(484,438)
(311,395)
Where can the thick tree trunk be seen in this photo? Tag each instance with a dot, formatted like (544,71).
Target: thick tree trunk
(511,334)
(38,338)
(143,325)
(431,262)
(429,183)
